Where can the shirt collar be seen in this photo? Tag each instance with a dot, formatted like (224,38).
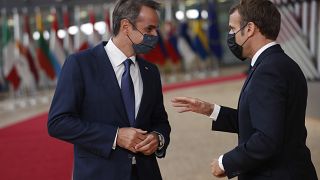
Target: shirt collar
(260,51)
(116,56)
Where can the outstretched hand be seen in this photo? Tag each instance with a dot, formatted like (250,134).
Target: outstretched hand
(189,104)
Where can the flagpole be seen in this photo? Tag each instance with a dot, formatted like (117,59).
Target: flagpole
(318,51)
(305,18)
(313,28)
(2,80)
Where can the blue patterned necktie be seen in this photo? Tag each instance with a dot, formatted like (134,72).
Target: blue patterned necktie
(127,91)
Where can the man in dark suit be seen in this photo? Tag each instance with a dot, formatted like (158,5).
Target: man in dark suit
(270,118)
(109,103)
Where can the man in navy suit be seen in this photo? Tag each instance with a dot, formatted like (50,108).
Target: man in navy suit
(109,104)
(270,118)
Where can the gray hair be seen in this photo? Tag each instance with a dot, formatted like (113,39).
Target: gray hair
(129,9)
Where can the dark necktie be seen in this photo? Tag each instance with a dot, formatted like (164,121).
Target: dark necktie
(127,91)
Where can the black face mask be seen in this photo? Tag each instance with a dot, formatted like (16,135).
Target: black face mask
(235,48)
(148,43)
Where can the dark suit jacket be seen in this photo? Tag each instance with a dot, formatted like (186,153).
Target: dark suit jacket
(87,109)
(270,122)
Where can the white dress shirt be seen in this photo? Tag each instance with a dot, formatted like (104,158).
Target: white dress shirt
(217,108)
(117,57)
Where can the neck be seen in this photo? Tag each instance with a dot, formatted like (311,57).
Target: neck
(124,44)
(258,45)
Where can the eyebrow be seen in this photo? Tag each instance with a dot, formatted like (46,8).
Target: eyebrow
(152,27)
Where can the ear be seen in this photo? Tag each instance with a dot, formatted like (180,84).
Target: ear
(125,26)
(251,29)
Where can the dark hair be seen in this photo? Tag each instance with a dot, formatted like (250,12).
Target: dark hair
(129,9)
(262,13)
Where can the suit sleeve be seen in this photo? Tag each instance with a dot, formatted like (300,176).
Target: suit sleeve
(64,120)
(227,120)
(267,98)
(160,118)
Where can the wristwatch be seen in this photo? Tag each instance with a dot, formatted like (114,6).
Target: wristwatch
(161,141)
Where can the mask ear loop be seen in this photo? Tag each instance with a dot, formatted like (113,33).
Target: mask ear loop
(240,30)
(135,28)
(130,39)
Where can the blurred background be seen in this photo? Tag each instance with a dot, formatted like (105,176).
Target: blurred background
(193,58)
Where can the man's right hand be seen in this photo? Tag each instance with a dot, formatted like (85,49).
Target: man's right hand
(187,104)
(128,138)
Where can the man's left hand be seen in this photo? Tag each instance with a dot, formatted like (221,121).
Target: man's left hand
(149,145)
(216,170)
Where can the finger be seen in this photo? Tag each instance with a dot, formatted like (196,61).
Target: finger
(141,131)
(148,140)
(132,149)
(184,110)
(149,148)
(180,105)
(143,148)
(142,144)
(181,99)
(141,137)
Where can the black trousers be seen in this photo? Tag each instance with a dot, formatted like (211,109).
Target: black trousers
(134,173)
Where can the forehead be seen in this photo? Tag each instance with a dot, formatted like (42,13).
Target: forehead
(235,19)
(148,16)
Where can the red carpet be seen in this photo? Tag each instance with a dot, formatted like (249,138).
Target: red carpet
(201,82)
(28,153)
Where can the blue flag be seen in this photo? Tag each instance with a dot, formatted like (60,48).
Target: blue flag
(213,32)
(183,32)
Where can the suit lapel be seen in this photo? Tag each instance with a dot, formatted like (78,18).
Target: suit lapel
(147,88)
(267,52)
(109,81)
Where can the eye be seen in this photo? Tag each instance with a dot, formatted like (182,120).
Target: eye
(149,29)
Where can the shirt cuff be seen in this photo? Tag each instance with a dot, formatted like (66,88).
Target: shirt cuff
(215,113)
(115,141)
(220,162)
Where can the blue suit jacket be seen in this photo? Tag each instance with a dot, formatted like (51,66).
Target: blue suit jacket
(270,122)
(87,109)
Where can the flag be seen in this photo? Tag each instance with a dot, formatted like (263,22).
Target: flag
(185,46)
(50,66)
(80,40)
(29,49)
(55,46)
(213,32)
(108,32)
(184,33)
(9,68)
(67,43)
(94,37)
(2,79)
(170,43)
(187,54)
(25,66)
(200,40)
